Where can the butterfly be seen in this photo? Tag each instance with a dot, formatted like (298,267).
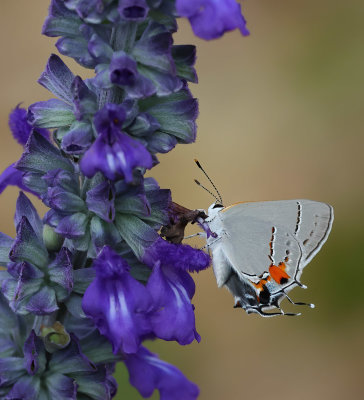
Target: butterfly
(259,249)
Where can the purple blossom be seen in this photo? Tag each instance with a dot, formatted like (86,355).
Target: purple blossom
(123,72)
(180,256)
(20,127)
(114,153)
(147,373)
(210,19)
(117,302)
(21,130)
(172,291)
(14,177)
(133,10)
(123,69)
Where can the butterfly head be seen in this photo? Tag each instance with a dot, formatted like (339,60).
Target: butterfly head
(214,209)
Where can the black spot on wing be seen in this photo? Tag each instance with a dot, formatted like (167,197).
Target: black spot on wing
(299,217)
(264,295)
(324,236)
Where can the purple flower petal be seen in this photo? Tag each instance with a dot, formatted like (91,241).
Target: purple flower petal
(210,19)
(133,10)
(147,373)
(114,153)
(180,256)
(123,69)
(174,318)
(117,303)
(12,177)
(19,126)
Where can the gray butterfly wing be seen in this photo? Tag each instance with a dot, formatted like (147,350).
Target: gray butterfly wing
(260,234)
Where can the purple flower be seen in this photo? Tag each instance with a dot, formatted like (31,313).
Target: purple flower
(147,373)
(114,152)
(123,69)
(133,10)
(210,19)
(117,303)
(124,72)
(172,291)
(12,176)
(21,130)
(180,256)
(20,127)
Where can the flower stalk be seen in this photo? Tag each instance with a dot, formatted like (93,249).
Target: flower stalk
(84,286)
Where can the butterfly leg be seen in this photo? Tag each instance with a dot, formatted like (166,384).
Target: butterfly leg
(202,234)
(272,314)
(262,313)
(211,243)
(299,303)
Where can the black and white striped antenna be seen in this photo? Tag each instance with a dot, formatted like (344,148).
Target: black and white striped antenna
(219,198)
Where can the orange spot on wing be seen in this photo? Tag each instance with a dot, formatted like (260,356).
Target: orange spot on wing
(278,273)
(260,285)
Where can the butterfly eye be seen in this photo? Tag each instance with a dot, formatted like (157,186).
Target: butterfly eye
(218,206)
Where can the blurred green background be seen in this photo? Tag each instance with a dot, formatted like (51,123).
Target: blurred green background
(281,117)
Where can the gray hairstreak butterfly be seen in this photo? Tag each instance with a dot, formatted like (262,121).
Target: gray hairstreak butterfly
(259,249)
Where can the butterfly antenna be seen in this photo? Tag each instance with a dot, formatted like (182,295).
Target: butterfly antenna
(212,183)
(207,190)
